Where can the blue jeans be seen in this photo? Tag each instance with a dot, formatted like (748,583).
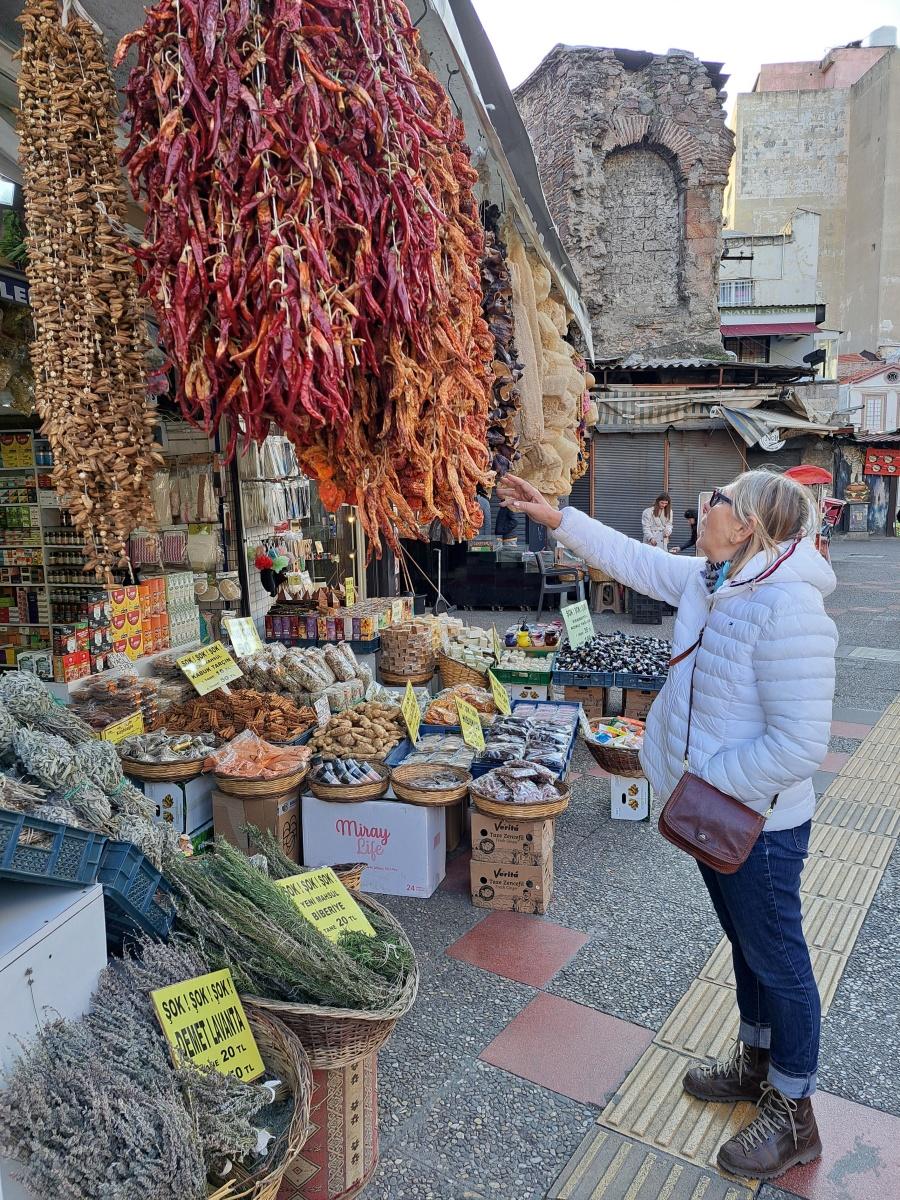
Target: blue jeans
(777,997)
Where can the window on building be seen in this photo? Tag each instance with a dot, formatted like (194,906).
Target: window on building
(875,411)
(749,350)
(735,293)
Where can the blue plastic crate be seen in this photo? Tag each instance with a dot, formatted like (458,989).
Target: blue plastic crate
(136,896)
(639,683)
(401,751)
(482,768)
(585,678)
(37,851)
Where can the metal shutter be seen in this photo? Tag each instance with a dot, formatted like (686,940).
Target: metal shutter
(628,476)
(580,497)
(698,462)
(781,460)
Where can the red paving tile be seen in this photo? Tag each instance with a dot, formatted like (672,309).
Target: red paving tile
(861,1159)
(568,1048)
(518,947)
(849,729)
(834,761)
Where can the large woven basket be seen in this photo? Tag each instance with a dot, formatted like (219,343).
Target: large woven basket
(393,678)
(350,874)
(284,1056)
(626,763)
(346,793)
(453,672)
(170,772)
(521,812)
(336,1037)
(237,785)
(404,782)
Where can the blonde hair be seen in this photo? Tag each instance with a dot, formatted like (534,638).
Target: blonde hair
(777,508)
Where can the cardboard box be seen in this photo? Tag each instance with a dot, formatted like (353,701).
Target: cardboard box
(134,647)
(279,815)
(68,667)
(186,807)
(525,843)
(404,845)
(629,799)
(637,704)
(594,700)
(512,887)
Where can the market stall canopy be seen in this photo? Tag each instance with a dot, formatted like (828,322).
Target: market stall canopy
(759,424)
(635,409)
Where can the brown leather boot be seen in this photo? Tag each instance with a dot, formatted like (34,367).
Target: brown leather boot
(783,1134)
(738,1077)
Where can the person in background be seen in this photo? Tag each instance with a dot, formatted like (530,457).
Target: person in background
(506,527)
(690,515)
(657,522)
(485,505)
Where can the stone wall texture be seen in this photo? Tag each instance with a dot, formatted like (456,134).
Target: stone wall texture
(634,161)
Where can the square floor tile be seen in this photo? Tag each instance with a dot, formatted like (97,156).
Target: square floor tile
(849,729)
(834,760)
(861,1158)
(569,1048)
(526,949)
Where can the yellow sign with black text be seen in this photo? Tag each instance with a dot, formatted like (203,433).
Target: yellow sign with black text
(120,730)
(409,707)
(205,1024)
(209,668)
(500,694)
(470,723)
(244,635)
(324,901)
(350,591)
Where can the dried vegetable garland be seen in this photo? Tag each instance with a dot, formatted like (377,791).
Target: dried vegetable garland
(496,283)
(312,246)
(89,345)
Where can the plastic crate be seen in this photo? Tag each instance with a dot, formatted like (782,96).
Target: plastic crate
(645,610)
(136,896)
(604,679)
(482,768)
(37,851)
(639,683)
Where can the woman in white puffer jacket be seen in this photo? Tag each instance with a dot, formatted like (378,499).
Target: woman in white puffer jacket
(757,693)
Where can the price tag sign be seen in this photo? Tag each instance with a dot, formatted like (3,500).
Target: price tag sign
(320,549)
(409,707)
(498,645)
(209,668)
(500,694)
(204,1023)
(350,589)
(323,711)
(473,734)
(120,730)
(306,580)
(324,901)
(244,636)
(396,612)
(579,625)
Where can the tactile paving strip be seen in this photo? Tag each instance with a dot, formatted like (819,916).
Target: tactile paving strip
(862,818)
(827,968)
(704,1023)
(830,925)
(840,881)
(881,795)
(866,769)
(609,1167)
(846,845)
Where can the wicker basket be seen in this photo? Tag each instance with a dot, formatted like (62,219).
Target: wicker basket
(405,787)
(337,1037)
(453,672)
(284,1056)
(170,772)
(416,679)
(236,785)
(350,874)
(521,812)
(347,793)
(626,763)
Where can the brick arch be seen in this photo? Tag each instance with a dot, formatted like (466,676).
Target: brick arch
(658,132)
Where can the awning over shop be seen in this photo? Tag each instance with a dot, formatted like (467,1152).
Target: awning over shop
(627,408)
(786,329)
(759,424)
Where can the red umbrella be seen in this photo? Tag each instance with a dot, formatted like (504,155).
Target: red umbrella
(809,475)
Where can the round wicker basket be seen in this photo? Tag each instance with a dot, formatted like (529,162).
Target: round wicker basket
(404,782)
(350,874)
(336,1037)
(346,793)
(417,678)
(626,763)
(170,772)
(284,1055)
(521,812)
(453,672)
(236,785)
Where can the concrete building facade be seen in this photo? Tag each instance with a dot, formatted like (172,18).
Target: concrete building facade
(633,155)
(826,137)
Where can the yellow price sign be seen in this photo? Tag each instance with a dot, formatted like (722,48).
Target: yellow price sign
(120,730)
(205,1024)
(470,722)
(579,623)
(244,636)
(350,590)
(500,694)
(396,612)
(409,707)
(209,668)
(498,645)
(324,901)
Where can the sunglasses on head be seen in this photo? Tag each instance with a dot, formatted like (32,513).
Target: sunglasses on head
(719,497)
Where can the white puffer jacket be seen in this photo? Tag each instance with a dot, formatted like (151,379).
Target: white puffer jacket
(764,677)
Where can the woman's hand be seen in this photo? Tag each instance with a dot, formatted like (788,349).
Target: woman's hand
(523,497)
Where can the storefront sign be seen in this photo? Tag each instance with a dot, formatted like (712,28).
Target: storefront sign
(128,727)
(473,734)
(409,707)
(350,591)
(244,635)
(204,1023)
(579,625)
(500,694)
(12,289)
(882,462)
(209,668)
(323,711)
(324,901)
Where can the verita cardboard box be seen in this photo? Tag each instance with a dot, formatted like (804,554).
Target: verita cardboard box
(403,845)
(186,807)
(512,887)
(341,1154)
(279,815)
(637,704)
(594,700)
(496,840)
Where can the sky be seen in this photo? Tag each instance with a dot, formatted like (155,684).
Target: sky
(741,36)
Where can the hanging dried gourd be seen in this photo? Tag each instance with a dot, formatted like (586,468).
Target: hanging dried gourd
(90,339)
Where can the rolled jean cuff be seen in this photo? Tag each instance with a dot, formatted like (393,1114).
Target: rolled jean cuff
(757,1036)
(795,1087)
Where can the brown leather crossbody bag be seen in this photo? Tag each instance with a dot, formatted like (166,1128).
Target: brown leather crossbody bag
(716,829)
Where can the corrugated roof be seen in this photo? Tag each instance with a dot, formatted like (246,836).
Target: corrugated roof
(645,362)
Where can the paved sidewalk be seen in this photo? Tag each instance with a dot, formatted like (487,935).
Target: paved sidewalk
(544,1056)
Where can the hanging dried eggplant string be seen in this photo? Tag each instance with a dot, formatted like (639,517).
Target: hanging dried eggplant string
(496,283)
(90,340)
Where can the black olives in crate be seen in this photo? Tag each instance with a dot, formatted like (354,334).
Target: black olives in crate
(617,652)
